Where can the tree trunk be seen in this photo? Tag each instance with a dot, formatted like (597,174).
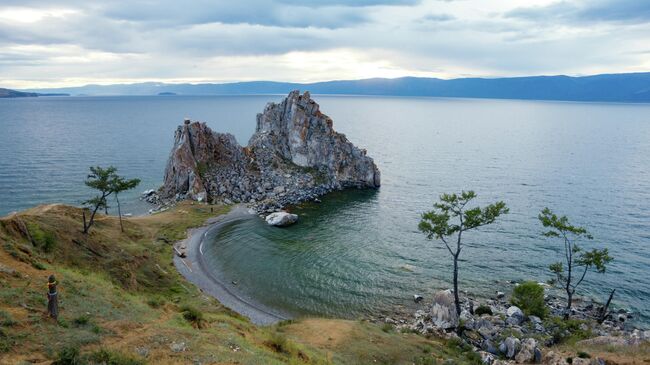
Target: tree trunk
(604,312)
(567,310)
(119,212)
(83,213)
(92,219)
(456,298)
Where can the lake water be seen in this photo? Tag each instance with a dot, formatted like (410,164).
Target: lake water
(360,251)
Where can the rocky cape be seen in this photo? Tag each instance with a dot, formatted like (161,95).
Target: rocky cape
(294,155)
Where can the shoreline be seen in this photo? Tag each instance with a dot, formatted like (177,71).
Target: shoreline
(192,268)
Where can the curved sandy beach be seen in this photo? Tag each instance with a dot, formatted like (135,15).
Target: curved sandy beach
(193,268)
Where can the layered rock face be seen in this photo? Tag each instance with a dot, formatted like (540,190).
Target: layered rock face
(294,155)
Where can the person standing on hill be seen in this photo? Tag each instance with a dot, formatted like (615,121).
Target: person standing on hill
(52,298)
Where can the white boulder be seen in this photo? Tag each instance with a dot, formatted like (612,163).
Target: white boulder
(443,311)
(281,219)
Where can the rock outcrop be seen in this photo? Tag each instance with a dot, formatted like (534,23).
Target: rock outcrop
(294,155)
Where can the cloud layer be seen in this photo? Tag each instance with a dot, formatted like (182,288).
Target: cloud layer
(62,43)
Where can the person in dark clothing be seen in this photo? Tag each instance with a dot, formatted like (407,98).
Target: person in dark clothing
(52,298)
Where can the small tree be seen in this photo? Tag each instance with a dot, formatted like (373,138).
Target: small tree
(575,258)
(118,185)
(436,224)
(101,180)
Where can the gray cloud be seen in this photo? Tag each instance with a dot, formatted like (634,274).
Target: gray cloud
(436,18)
(618,11)
(290,40)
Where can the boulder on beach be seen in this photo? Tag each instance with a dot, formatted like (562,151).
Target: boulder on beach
(281,219)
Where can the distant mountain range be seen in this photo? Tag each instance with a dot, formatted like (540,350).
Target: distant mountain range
(8,93)
(630,87)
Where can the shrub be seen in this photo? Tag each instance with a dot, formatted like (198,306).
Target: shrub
(279,343)
(156,302)
(6,341)
(6,319)
(584,355)
(106,357)
(387,327)
(566,331)
(483,309)
(529,296)
(82,320)
(68,356)
(43,240)
(192,315)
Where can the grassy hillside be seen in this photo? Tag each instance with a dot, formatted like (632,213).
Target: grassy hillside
(123,302)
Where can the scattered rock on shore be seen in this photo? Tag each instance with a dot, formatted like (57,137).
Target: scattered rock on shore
(281,219)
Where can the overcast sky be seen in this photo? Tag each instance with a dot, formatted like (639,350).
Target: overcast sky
(53,43)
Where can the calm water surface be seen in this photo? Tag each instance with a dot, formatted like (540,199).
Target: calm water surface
(360,251)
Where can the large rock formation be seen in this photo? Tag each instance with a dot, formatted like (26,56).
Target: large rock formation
(294,155)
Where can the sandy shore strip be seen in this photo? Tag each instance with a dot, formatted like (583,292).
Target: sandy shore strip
(193,268)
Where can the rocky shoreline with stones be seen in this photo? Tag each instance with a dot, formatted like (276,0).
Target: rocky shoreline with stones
(502,334)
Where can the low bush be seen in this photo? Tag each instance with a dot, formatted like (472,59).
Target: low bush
(529,296)
(155,302)
(6,319)
(193,315)
(566,331)
(106,357)
(46,241)
(387,327)
(584,355)
(82,320)
(6,341)
(68,356)
(483,309)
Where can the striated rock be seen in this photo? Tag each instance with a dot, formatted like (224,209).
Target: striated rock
(294,155)
(510,346)
(443,311)
(486,358)
(527,352)
(281,219)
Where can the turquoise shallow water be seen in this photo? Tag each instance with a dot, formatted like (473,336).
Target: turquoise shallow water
(360,251)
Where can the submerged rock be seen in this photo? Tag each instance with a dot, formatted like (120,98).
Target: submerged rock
(281,219)
(294,155)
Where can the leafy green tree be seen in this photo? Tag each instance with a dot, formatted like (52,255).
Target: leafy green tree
(118,185)
(436,224)
(569,274)
(107,182)
(100,179)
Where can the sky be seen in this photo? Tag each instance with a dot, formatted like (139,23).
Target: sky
(57,43)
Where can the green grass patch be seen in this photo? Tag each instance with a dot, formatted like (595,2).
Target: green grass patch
(44,240)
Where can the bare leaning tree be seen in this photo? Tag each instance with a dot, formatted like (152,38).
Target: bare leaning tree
(436,224)
(572,272)
(118,185)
